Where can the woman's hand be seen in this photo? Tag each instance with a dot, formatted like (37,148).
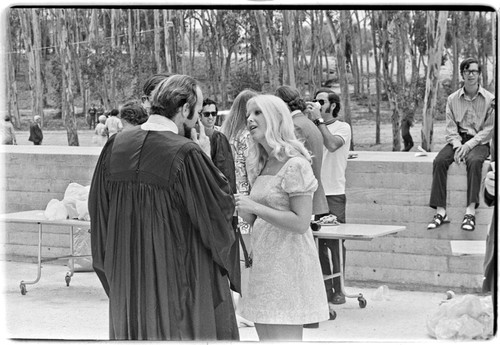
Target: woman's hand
(245,208)
(244,204)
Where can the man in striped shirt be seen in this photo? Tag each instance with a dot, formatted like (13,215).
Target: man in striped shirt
(470,117)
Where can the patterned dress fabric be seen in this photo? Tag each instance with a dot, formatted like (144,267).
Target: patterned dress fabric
(286,283)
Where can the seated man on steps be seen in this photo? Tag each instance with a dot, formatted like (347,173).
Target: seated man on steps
(470,117)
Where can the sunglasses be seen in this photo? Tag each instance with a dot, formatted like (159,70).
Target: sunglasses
(320,101)
(208,113)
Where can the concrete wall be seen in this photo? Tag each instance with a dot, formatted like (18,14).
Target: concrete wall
(382,188)
(394,188)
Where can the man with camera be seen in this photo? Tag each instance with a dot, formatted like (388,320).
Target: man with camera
(336,141)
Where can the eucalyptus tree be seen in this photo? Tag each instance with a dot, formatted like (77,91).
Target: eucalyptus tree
(435,39)
(11,63)
(64,38)
(374,28)
(30,25)
(338,35)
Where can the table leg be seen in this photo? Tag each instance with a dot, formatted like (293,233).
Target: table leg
(71,258)
(361,299)
(22,284)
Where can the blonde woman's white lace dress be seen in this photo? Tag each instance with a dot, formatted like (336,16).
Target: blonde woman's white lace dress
(286,283)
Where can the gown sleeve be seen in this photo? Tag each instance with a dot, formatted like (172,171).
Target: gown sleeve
(222,156)
(210,205)
(298,178)
(98,205)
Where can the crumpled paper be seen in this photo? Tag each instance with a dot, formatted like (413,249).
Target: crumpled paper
(464,318)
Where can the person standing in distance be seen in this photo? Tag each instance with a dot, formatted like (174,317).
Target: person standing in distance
(36,133)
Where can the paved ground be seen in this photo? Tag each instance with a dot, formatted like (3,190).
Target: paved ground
(363,134)
(52,311)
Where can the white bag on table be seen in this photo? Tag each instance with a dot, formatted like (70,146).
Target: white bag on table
(55,210)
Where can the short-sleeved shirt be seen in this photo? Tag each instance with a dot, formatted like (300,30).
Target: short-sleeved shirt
(335,163)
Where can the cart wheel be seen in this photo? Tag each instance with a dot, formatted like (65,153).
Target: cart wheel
(362,302)
(333,315)
(68,279)
(315,226)
(23,289)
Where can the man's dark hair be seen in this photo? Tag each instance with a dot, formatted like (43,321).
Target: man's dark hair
(133,113)
(466,63)
(152,81)
(332,98)
(291,97)
(208,101)
(172,93)
(114,112)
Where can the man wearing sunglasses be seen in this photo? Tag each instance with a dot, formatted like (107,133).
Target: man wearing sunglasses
(470,117)
(208,116)
(220,149)
(336,144)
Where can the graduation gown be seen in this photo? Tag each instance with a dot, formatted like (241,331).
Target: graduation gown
(222,156)
(162,241)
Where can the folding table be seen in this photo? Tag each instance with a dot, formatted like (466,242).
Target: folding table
(37,217)
(359,232)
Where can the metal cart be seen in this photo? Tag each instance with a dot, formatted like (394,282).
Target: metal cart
(37,217)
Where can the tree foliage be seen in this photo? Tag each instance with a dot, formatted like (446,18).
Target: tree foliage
(112,51)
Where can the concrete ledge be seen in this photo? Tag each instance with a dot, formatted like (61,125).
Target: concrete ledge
(382,188)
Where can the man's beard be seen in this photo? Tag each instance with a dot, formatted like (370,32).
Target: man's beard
(186,131)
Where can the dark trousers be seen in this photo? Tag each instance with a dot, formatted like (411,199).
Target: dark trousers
(407,138)
(337,206)
(474,163)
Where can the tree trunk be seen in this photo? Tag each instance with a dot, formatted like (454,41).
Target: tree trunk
(68,99)
(167,24)
(354,55)
(390,88)
(157,40)
(456,49)
(435,38)
(114,44)
(11,83)
(360,39)
(377,77)
(341,64)
(289,70)
(368,89)
(180,17)
(26,24)
(37,49)
(131,36)
(267,49)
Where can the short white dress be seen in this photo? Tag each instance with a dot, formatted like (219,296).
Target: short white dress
(286,284)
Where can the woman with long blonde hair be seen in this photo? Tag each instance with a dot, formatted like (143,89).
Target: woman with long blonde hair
(285,289)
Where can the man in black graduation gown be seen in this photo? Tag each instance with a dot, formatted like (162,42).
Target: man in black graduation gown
(161,235)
